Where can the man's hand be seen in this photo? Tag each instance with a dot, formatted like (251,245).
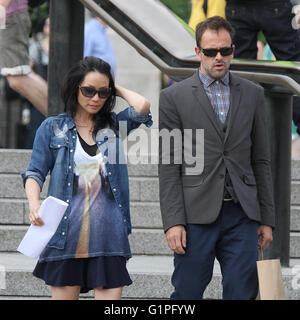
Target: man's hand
(264,236)
(176,237)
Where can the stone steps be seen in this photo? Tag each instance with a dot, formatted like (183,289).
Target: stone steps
(142,241)
(146,273)
(141,188)
(151,277)
(143,214)
(152,263)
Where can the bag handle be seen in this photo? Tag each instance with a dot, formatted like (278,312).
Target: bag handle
(260,253)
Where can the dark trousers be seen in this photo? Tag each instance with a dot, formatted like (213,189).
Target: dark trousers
(274,18)
(232,239)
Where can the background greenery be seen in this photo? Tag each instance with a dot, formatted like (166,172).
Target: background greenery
(180,7)
(38,15)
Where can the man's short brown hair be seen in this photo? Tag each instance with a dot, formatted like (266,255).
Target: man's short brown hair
(213,23)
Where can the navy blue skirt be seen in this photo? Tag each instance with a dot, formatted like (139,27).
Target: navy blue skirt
(88,273)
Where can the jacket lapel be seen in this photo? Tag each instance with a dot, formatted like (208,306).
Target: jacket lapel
(235,96)
(204,103)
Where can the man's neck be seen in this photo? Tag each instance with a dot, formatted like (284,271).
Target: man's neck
(205,75)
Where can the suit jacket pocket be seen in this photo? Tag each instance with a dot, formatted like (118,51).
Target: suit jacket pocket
(192,181)
(249,180)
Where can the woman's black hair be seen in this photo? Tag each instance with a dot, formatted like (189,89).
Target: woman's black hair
(70,87)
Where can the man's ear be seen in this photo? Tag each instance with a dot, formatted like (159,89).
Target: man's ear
(233,47)
(198,54)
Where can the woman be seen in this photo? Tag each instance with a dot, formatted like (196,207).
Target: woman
(90,247)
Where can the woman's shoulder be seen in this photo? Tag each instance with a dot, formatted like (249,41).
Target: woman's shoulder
(62,120)
(58,118)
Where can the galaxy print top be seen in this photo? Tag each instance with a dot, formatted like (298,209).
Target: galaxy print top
(95,223)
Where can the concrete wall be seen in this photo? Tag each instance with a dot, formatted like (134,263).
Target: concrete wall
(136,73)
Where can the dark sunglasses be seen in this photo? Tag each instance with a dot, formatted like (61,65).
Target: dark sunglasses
(90,92)
(213,52)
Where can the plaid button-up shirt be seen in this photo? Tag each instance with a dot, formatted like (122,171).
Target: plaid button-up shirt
(218,92)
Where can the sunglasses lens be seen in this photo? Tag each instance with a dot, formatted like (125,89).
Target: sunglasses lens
(210,52)
(226,51)
(104,92)
(88,91)
(213,52)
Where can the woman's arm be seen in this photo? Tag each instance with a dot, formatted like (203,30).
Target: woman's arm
(32,189)
(137,101)
(39,166)
(5,3)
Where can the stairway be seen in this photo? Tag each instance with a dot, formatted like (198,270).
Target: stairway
(152,263)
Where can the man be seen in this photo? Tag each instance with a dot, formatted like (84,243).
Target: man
(228,208)
(14,55)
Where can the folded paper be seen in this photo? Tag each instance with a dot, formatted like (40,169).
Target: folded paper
(37,237)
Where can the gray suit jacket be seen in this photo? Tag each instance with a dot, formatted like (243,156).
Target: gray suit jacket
(243,150)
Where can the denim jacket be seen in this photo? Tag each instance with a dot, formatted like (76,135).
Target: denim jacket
(54,148)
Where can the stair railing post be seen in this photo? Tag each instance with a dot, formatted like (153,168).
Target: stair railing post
(66,46)
(279,110)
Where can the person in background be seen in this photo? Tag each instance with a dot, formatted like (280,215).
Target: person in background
(82,149)
(203,9)
(97,44)
(275,18)
(39,55)
(14,55)
(39,51)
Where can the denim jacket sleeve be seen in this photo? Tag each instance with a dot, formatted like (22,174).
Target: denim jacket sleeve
(134,119)
(41,157)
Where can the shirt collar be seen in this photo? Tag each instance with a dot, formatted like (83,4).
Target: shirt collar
(207,80)
(69,120)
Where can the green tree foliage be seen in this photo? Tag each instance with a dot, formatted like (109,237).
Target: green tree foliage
(180,7)
(38,15)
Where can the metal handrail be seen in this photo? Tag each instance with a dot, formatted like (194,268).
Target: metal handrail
(179,73)
(270,78)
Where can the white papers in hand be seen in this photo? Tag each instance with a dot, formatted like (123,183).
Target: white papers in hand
(37,237)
